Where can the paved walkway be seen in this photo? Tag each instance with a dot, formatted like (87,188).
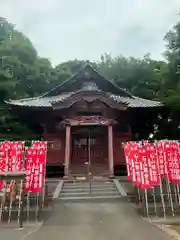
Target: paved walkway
(102,221)
(13,233)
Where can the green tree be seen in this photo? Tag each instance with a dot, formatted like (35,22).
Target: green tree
(22,74)
(142,77)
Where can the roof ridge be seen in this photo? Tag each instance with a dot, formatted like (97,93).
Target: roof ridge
(65,81)
(111,81)
(80,70)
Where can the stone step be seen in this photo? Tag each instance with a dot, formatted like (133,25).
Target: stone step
(87,183)
(90,192)
(85,180)
(88,197)
(88,186)
(81,194)
(82,189)
(87,189)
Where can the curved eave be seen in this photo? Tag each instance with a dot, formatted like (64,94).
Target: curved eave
(128,106)
(66,100)
(14,104)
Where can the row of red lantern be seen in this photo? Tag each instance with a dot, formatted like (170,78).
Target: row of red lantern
(15,157)
(148,162)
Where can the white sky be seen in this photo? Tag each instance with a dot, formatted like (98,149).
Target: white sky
(84,29)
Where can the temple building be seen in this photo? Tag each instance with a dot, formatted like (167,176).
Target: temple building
(85,120)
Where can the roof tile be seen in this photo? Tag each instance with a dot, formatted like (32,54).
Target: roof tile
(132,102)
(135,102)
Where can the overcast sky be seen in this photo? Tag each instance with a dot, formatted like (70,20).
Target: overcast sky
(84,29)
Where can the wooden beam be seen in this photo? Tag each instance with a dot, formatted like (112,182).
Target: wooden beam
(67,149)
(110,150)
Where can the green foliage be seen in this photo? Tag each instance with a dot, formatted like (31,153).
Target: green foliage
(6,30)
(142,77)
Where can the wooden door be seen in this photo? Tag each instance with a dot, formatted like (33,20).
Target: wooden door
(79,150)
(96,145)
(98,161)
(89,153)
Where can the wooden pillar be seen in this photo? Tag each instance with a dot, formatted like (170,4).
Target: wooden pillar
(67,149)
(110,150)
(44,130)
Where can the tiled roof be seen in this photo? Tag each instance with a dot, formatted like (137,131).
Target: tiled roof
(56,95)
(87,72)
(132,102)
(136,102)
(40,101)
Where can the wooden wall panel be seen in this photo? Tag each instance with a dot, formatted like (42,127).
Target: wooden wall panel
(55,149)
(119,138)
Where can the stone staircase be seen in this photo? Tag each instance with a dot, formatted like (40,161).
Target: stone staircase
(96,170)
(95,189)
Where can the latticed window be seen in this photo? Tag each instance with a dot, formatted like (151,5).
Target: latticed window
(85,141)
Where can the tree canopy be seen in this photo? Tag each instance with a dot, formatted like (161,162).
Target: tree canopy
(23,73)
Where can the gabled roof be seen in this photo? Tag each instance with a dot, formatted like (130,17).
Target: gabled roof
(48,102)
(63,93)
(106,84)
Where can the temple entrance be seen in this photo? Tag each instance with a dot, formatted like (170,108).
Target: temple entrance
(89,151)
